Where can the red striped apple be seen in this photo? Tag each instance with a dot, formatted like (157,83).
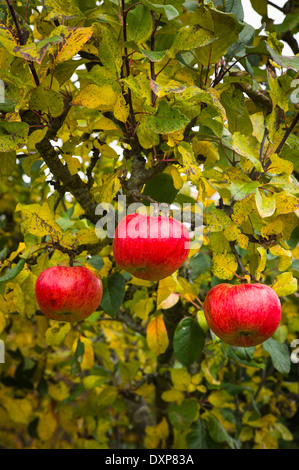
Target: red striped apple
(149,247)
(244,314)
(68,293)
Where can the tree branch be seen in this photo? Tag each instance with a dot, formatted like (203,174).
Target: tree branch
(21,39)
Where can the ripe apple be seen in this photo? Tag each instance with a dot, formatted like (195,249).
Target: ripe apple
(149,247)
(244,314)
(68,293)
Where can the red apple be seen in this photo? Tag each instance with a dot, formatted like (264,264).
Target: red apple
(244,314)
(68,293)
(149,247)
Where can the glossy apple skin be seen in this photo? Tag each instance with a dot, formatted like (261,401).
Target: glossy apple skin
(68,293)
(149,247)
(244,314)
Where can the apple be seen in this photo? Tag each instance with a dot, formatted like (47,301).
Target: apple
(244,314)
(150,247)
(68,293)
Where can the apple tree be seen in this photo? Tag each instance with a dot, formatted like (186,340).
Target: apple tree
(180,103)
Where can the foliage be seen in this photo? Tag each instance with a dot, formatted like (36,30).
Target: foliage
(171,102)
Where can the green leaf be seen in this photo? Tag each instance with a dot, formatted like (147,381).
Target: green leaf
(139,24)
(167,10)
(181,416)
(241,146)
(113,293)
(166,120)
(284,61)
(218,433)
(154,56)
(243,356)
(190,37)
(161,189)
(240,190)
(13,272)
(12,135)
(96,262)
(77,358)
(195,438)
(7,163)
(279,354)
(188,341)
(47,101)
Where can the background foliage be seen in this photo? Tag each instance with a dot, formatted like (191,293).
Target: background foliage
(203,109)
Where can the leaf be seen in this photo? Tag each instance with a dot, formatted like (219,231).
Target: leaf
(219,433)
(161,189)
(190,37)
(284,61)
(168,10)
(47,101)
(279,354)
(77,357)
(285,284)
(166,120)
(139,24)
(154,56)
(55,335)
(156,335)
(13,272)
(240,190)
(188,341)
(13,135)
(95,97)
(240,145)
(39,220)
(35,52)
(217,220)
(224,265)
(113,293)
(190,164)
(109,51)
(73,39)
(121,110)
(96,261)
(266,206)
(195,438)
(181,416)
(47,425)
(7,163)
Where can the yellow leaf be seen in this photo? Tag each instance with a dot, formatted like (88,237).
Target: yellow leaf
(58,391)
(191,167)
(243,241)
(2,321)
(224,265)
(39,220)
(173,395)
(279,165)
(19,410)
(217,220)
(121,110)
(180,378)
(47,425)
(73,163)
(262,260)
(231,232)
(166,288)
(88,356)
(286,204)
(55,335)
(285,284)
(73,41)
(156,335)
(95,97)
(143,308)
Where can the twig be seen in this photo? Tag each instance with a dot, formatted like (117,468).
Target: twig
(287,134)
(152,64)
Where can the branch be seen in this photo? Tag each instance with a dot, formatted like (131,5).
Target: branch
(240,264)
(21,39)
(152,64)
(287,134)
(72,183)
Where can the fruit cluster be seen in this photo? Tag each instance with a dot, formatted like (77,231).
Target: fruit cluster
(153,248)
